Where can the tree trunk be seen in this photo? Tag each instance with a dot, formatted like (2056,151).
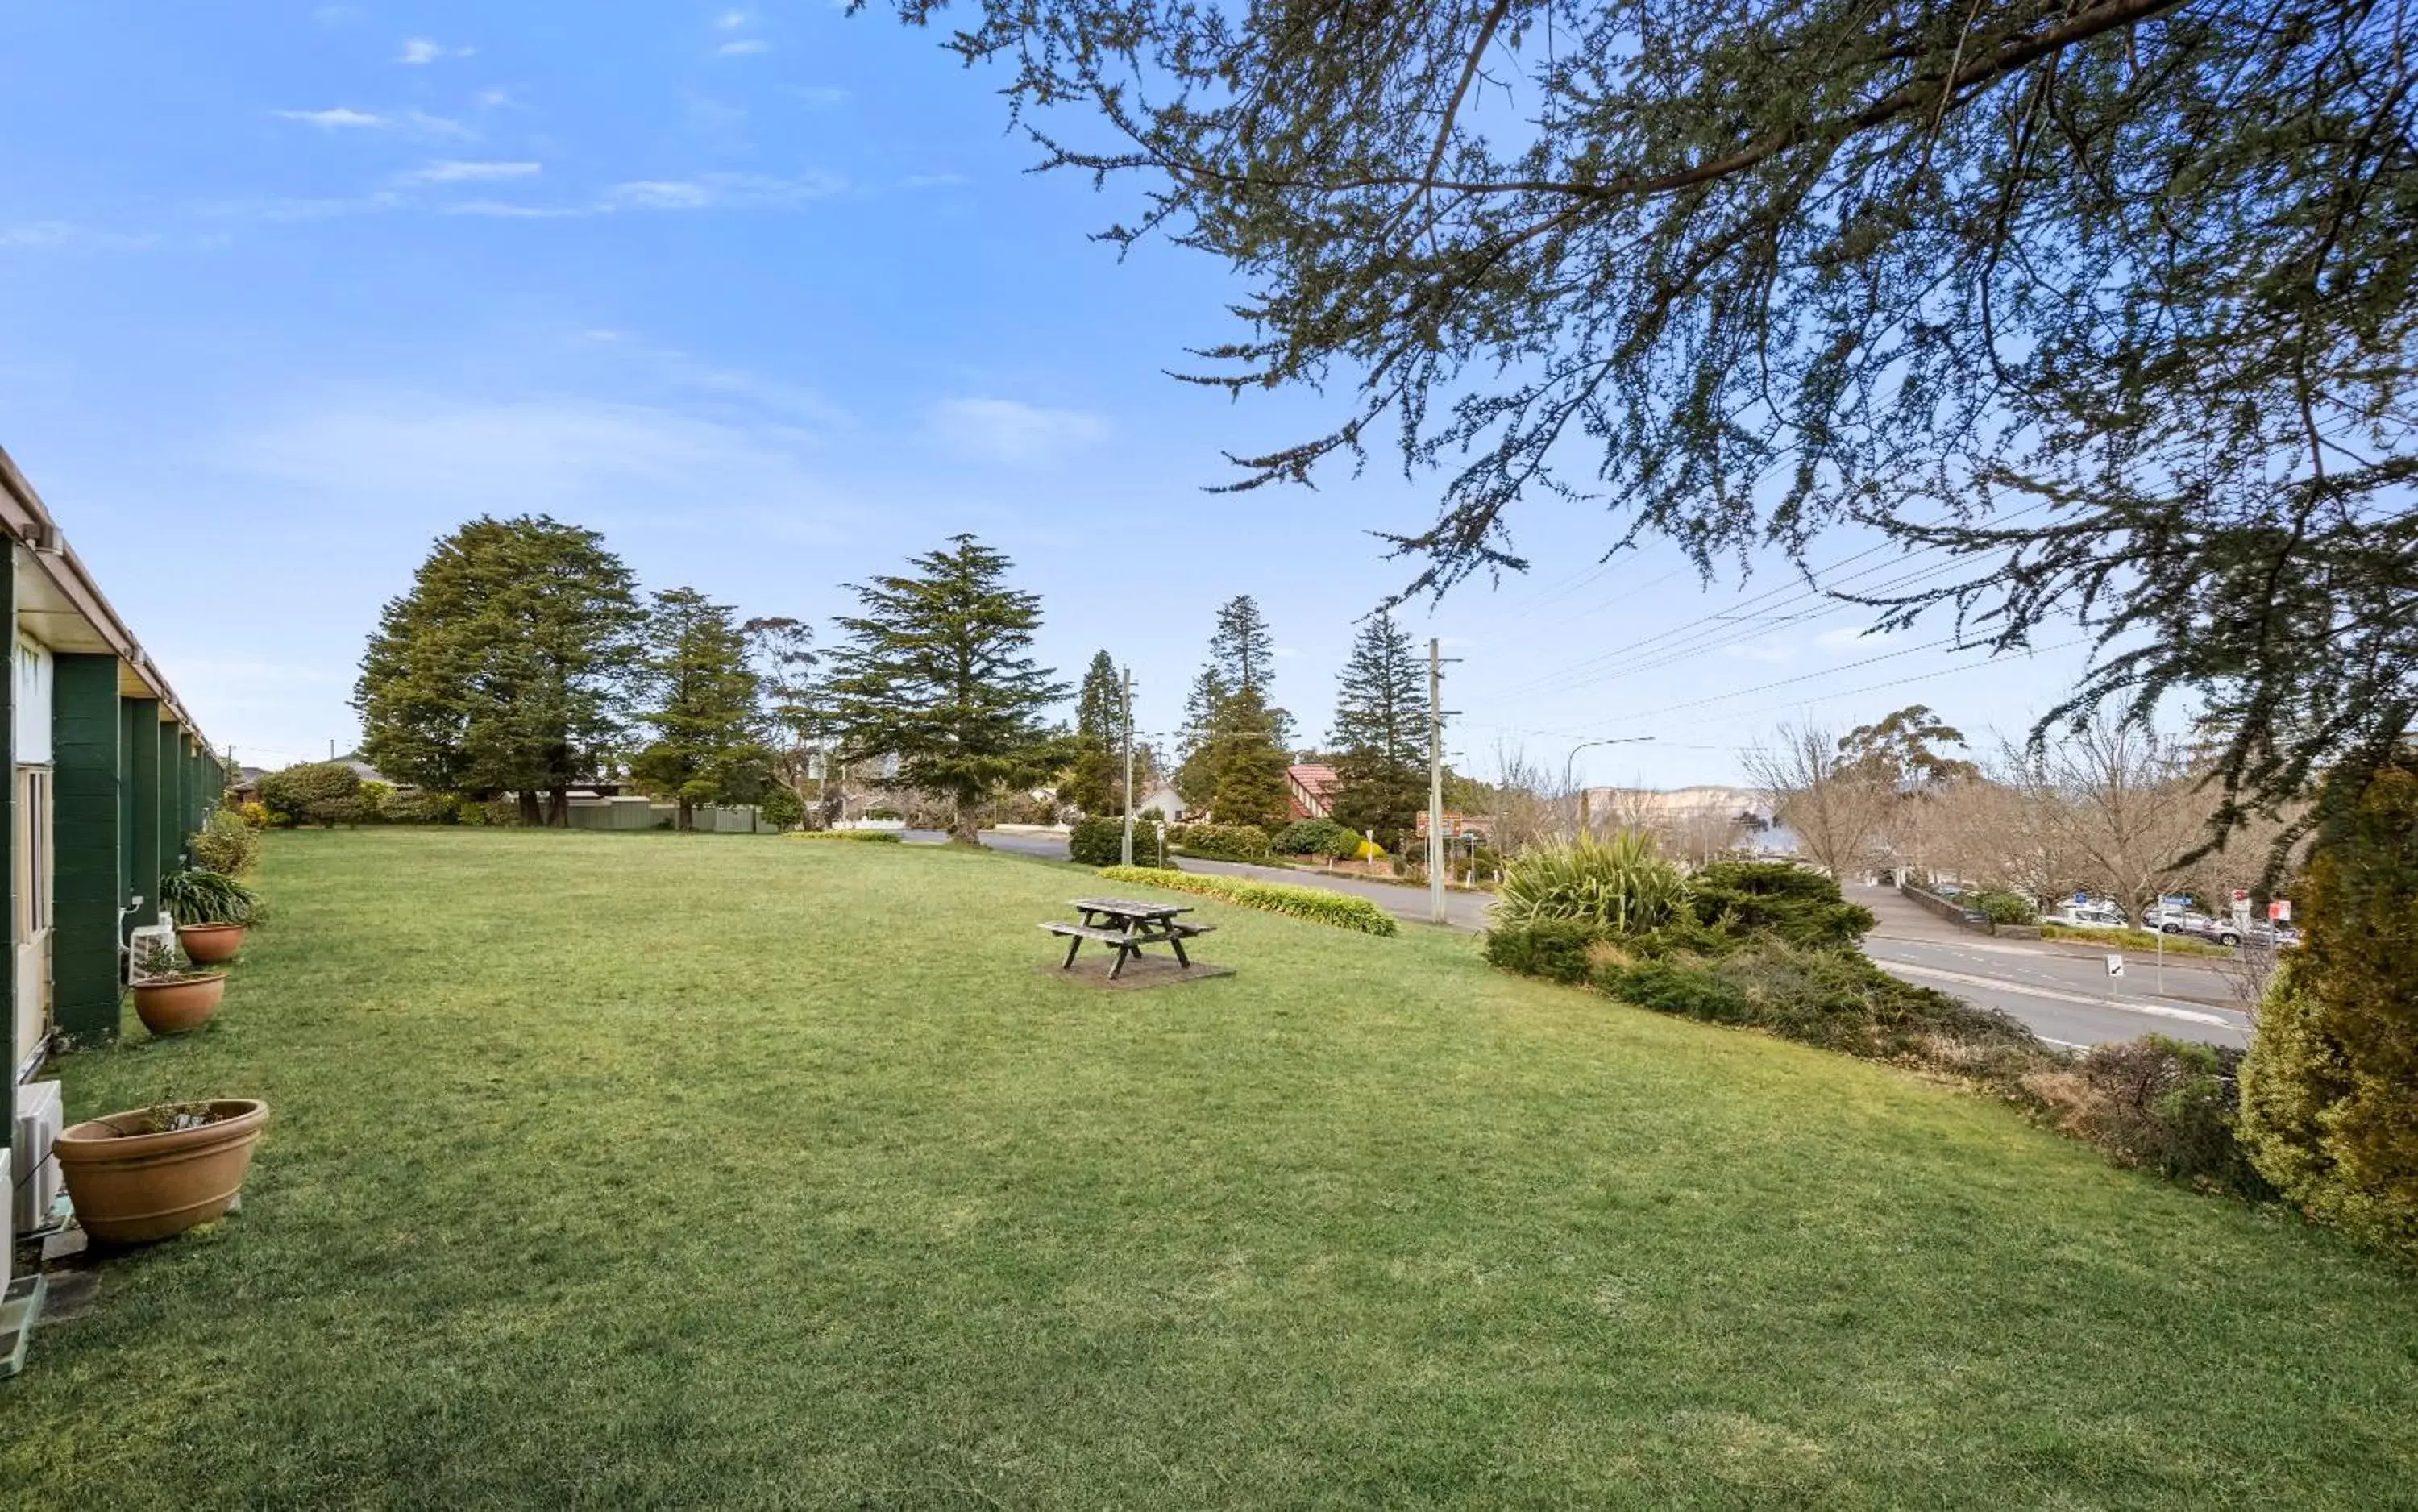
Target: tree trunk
(557,809)
(964,825)
(686,824)
(530,812)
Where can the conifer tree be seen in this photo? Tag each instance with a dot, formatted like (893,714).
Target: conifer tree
(1381,733)
(701,695)
(1249,764)
(936,671)
(796,709)
(506,668)
(1094,781)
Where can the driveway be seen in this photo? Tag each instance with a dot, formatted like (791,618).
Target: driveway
(1463,910)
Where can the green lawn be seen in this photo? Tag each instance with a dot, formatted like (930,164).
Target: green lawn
(645,1170)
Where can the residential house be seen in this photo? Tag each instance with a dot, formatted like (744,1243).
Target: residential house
(1312,787)
(111,775)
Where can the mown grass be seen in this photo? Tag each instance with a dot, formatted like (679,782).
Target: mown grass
(2140,941)
(715,1172)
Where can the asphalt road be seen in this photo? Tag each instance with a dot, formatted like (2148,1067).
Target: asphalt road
(2062,993)
(2065,995)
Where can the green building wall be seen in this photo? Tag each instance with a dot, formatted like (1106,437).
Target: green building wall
(88,885)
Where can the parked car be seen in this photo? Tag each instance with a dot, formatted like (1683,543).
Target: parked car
(2257,932)
(2174,921)
(2088,916)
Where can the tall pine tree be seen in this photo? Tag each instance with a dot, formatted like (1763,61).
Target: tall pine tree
(506,668)
(1381,733)
(1094,781)
(1249,764)
(709,744)
(936,671)
(1230,723)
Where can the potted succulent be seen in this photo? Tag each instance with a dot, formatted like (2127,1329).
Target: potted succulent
(168,997)
(212,912)
(155,1171)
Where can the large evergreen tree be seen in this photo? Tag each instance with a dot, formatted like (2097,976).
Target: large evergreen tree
(1381,733)
(506,668)
(2108,307)
(1249,764)
(701,704)
(936,671)
(1094,781)
(1229,719)
(1195,768)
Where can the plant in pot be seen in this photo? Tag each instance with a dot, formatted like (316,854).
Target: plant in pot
(168,997)
(212,910)
(158,1170)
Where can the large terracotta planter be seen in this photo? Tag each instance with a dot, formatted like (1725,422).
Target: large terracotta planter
(209,944)
(132,1187)
(174,1007)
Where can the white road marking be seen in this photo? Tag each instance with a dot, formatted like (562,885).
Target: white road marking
(2001,984)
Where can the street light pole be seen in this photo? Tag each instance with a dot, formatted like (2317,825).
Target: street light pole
(1570,767)
(1127,852)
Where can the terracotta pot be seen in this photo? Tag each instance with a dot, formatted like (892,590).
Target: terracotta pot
(174,1007)
(131,1189)
(211,943)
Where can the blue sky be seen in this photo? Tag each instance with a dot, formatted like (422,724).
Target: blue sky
(766,295)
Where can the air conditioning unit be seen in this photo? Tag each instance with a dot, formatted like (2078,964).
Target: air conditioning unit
(7,1232)
(139,940)
(40,1115)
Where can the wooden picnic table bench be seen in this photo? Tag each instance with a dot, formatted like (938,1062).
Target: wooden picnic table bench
(1127,925)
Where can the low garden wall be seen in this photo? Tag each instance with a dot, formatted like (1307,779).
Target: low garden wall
(1953,912)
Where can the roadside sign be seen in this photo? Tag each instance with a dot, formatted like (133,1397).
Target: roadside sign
(2241,898)
(2241,916)
(2280,909)
(2115,964)
(2081,898)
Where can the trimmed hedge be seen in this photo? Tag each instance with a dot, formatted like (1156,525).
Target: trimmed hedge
(1100,842)
(1220,842)
(1804,907)
(2004,907)
(1342,909)
(875,837)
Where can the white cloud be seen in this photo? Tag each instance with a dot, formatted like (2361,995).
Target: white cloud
(742,47)
(822,97)
(344,118)
(1010,430)
(507,210)
(730,21)
(493,98)
(1749,650)
(47,234)
(420,50)
(455,171)
(934,181)
(721,192)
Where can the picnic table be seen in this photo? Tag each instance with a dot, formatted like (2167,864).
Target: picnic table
(1125,925)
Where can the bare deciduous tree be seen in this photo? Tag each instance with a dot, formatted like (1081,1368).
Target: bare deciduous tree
(1835,804)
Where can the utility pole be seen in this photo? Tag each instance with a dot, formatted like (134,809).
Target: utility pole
(1435,779)
(1129,816)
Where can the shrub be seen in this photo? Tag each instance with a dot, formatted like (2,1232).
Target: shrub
(1836,1000)
(883,814)
(224,843)
(1101,842)
(1315,837)
(197,896)
(780,807)
(1802,907)
(2160,1105)
(1220,842)
(2001,906)
(375,796)
(2327,1108)
(1623,884)
(870,836)
(1317,905)
(292,793)
(255,813)
(1554,949)
(413,805)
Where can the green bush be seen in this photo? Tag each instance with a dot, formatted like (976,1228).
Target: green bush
(292,794)
(1554,949)
(1623,884)
(1317,905)
(2160,1105)
(1836,1000)
(206,897)
(1315,837)
(2002,907)
(1101,842)
(1220,842)
(2329,1110)
(878,837)
(375,796)
(780,807)
(1802,907)
(224,843)
(413,805)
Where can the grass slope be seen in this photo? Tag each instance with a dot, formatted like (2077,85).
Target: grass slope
(710,1170)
